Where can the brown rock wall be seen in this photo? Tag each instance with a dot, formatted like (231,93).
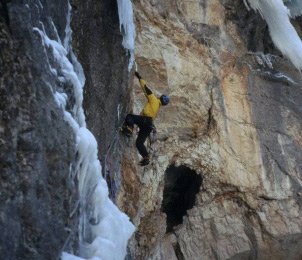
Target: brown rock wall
(233,119)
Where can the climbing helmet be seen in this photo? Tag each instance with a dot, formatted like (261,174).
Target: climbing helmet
(164,99)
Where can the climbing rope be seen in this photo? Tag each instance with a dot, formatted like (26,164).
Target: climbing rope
(108,168)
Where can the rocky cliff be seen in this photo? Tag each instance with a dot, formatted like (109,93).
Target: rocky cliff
(39,153)
(225,177)
(97,42)
(37,145)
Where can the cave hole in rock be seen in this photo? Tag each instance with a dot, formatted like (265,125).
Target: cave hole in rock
(181,186)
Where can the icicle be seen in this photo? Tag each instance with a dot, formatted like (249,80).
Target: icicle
(127,28)
(246,5)
(68,31)
(264,60)
(281,30)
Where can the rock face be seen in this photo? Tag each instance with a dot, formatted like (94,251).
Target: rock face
(37,145)
(98,44)
(234,119)
(38,198)
(225,177)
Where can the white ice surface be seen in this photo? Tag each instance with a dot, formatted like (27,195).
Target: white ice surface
(282,32)
(104,230)
(127,27)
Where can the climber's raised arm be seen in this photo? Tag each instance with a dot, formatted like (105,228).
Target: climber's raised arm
(142,82)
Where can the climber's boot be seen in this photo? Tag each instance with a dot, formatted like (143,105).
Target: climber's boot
(145,161)
(126,130)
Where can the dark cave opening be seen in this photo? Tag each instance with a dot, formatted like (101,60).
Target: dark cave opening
(181,186)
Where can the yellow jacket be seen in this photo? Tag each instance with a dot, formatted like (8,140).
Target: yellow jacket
(152,106)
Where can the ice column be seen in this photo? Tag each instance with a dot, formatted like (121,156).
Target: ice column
(282,32)
(125,12)
(103,230)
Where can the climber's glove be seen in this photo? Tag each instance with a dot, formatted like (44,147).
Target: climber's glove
(137,75)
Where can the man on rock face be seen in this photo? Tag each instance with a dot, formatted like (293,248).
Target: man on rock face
(145,120)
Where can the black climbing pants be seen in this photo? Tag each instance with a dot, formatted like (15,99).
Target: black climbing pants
(145,125)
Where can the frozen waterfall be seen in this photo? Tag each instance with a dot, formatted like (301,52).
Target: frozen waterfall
(127,28)
(282,32)
(103,229)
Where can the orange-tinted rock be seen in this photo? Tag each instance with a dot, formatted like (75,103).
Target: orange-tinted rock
(232,118)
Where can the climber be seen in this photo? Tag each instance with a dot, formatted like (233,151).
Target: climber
(145,120)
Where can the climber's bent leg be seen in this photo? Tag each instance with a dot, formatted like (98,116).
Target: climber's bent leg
(128,125)
(142,136)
